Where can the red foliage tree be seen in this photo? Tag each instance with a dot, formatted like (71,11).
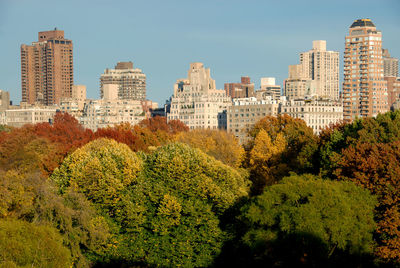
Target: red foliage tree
(160,123)
(375,166)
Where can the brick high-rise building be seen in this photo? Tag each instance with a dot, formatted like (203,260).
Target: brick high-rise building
(364,88)
(244,89)
(47,72)
(131,82)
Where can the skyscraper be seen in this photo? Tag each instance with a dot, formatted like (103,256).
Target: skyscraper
(317,74)
(47,69)
(364,87)
(131,82)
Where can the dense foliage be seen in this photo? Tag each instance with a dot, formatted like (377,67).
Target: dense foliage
(157,194)
(323,215)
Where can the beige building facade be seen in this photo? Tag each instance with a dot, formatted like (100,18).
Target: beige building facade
(390,64)
(317,113)
(196,101)
(245,112)
(364,88)
(316,75)
(131,81)
(111,110)
(268,88)
(27,115)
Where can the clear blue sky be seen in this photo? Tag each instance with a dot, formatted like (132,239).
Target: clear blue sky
(233,38)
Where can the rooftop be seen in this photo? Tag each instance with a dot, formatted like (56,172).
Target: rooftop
(362,23)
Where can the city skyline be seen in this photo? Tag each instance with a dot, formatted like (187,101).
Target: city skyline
(173,35)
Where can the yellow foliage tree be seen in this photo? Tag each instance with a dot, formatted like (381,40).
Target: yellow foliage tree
(219,144)
(265,159)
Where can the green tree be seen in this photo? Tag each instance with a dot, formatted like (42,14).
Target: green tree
(32,198)
(322,216)
(24,244)
(165,210)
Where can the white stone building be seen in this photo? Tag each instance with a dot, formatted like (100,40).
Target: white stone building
(196,101)
(110,110)
(317,113)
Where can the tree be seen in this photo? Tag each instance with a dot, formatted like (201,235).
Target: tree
(376,167)
(101,170)
(34,199)
(160,123)
(219,144)
(324,216)
(24,244)
(164,210)
(301,143)
(266,163)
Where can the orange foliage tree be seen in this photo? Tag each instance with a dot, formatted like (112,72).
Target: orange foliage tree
(375,166)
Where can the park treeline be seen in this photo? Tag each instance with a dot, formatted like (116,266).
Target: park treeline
(158,195)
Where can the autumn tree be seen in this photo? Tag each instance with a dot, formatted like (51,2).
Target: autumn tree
(305,220)
(31,198)
(219,144)
(165,209)
(384,128)
(301,143)
(375,166)
(266,160)
(160,123)
(23,244)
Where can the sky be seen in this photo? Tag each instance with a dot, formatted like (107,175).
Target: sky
(233,38)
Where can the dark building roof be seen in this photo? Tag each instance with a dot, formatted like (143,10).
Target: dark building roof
(362,23)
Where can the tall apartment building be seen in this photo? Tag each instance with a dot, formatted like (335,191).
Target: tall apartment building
(196,101)
(47,72)
(244,89)
(268,87)
(131,81)
(390,65)
(364,87)
(317,74)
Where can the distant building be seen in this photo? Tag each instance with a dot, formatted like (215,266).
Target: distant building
(244,89)
(4,100)
(245,112)
(269,88)
(28,115)
(317,113)
(317,74)
(111,110)
(196,102)
(364,88)
(76,103)
(390,65)
(47,73)
(393,90)
(131,82)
